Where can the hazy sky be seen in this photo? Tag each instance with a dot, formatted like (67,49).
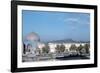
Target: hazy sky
(57,25)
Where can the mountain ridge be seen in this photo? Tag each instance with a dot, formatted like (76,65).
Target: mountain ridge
(67,41)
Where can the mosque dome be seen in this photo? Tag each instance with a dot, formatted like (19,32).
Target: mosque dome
(33,37)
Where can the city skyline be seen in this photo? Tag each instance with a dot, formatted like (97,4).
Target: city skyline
(56,25)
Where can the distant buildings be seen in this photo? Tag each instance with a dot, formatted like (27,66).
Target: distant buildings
(33,47)
(67,46)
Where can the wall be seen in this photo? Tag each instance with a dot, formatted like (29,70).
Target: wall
(5,37)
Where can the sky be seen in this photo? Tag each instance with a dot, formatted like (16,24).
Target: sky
(50,25)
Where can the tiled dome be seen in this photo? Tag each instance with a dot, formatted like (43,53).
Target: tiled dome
(33,37)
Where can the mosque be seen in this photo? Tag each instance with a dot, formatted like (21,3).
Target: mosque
(33,46)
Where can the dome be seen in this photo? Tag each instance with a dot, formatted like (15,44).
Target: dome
(32,37)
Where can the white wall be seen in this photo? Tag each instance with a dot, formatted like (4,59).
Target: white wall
(5,37)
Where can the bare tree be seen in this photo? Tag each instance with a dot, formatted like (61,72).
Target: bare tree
(60,48)
(73,47)
(46,49)
(86,47)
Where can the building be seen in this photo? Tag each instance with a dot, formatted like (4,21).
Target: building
(67,46)
(33,46)
(31,43)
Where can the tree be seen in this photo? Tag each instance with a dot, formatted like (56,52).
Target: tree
(73,47)
(80,49)
(60,48)
(86,47)
(46,49)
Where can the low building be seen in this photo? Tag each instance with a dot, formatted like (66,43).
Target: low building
(54,45)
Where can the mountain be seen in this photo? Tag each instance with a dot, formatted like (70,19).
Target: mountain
(68,41)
